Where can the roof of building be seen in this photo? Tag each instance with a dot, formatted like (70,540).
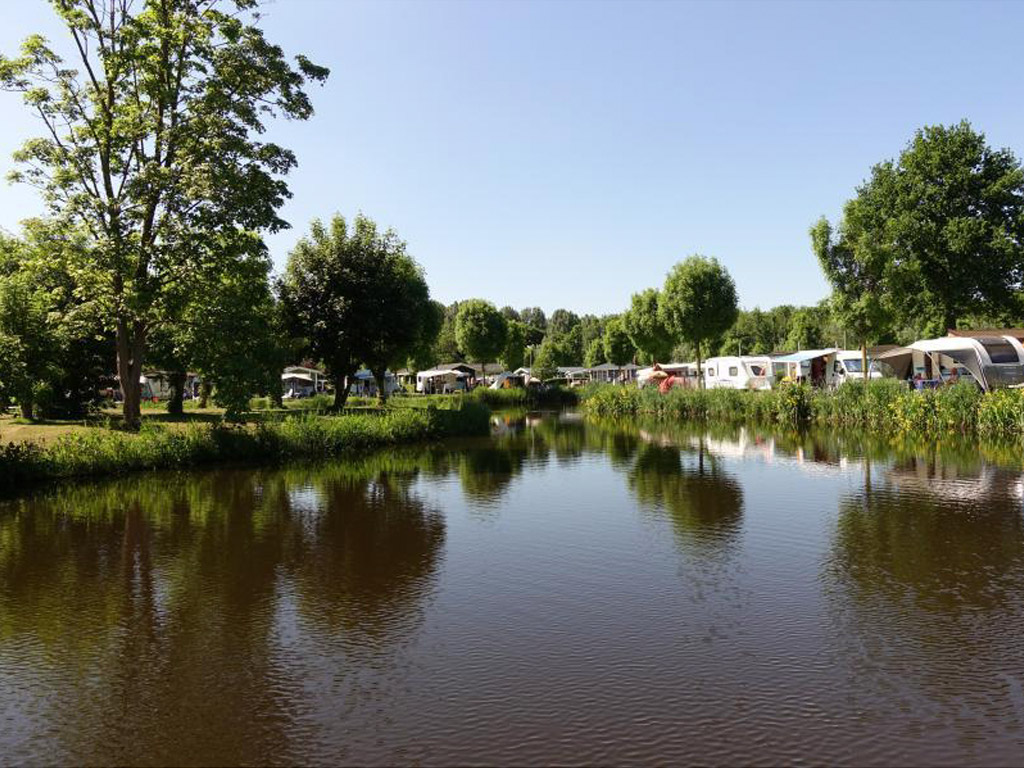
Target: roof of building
(1017,333)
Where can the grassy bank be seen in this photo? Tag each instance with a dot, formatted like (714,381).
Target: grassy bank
(883,406)
(99,451)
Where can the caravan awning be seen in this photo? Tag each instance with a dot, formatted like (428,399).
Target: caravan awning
(296,377)
(901,359)
(804,355)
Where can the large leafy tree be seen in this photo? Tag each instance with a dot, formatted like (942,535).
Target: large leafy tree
(618,347)
(402,319)
(698,302)
(515,345)
(806,329)
(857,273)
(54,356)
(28,347)
(150,144)
(646,328)
(446,348)
(936,234)
(593,353)
(326,292)
(481,330)
(356,296)
(234,334)
(534,317)
(561,322)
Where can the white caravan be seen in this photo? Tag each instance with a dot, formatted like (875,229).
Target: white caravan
(993,361)
(738,372)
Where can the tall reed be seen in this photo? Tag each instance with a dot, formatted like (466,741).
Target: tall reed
(883,405)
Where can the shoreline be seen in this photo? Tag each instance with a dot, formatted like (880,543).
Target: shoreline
(101,452)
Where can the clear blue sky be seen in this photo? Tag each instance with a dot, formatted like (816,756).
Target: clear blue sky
(568,153)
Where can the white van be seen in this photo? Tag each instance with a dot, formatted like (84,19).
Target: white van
(738,372)
(849,366)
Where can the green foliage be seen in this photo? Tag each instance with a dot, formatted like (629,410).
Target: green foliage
(515,345)
(698,303)
(150,143)
(446,347)
(883,406)
(932,236)
(356,296)
(53,353)
(806,330)
(105,452)
(545,363)
(519,396)
(594,353)
(618,346)
(644,325)
(536,324)
(561,322)
(480,330)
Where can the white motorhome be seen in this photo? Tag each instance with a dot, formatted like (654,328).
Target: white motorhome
(747,372)
(993,362)
(849,366)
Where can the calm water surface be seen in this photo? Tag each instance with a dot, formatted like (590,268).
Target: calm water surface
(563,592)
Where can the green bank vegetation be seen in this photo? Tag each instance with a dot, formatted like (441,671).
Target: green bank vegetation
(882,406)
(302,436)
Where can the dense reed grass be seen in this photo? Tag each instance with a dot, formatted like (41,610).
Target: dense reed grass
(520,397)
(883,405)
(108,452)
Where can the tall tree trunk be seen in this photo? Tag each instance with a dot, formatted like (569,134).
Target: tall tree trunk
(131,342)
(700,373)
(949,319)
(26,408)
(864,359)
(176,405)
(204,393)
(341,382)
(382,394)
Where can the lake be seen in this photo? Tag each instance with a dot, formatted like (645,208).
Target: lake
(563,592)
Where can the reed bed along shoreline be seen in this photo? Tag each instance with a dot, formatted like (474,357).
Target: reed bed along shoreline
(100,451)
(882,406)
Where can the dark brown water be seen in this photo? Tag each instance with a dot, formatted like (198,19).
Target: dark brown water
(563,593)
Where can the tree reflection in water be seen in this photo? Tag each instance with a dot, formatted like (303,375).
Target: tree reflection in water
(145,615)
(704,504)
(924,579)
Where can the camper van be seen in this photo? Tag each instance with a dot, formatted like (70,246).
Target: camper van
(738,373)
(849,366)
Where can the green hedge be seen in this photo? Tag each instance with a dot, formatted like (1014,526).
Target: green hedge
(107,452)
(883,405)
